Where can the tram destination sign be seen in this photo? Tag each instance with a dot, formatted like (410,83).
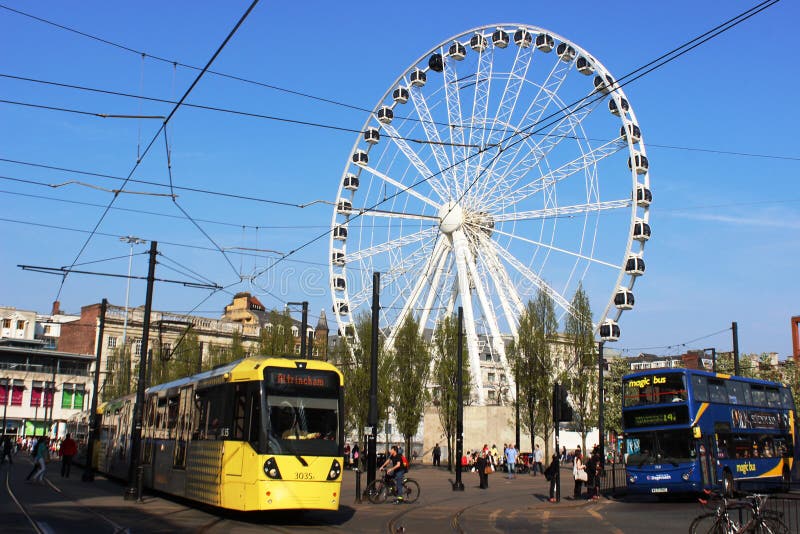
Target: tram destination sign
(302,381)
(673,415)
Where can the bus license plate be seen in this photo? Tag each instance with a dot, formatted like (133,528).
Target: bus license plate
(658,490)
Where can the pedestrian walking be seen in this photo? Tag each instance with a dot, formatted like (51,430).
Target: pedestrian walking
(551,475)
(511,460)
(7,451)
(538,456)
(40,459)
(579,473)
(484,467)
(437,455)
(67,450)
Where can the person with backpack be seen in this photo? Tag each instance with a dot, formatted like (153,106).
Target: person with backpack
(398,468)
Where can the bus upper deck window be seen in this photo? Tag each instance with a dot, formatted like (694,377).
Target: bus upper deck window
(699,388)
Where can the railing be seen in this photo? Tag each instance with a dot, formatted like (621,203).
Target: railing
(613,480)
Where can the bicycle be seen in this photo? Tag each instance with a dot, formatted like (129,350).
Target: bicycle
(716,522)
(381,488)
(719,522)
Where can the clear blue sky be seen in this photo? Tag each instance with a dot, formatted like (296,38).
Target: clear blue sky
(726,228)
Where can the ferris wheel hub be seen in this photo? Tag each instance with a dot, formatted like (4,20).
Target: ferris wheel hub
(451,217)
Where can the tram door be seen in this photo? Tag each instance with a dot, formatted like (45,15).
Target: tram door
(184,420)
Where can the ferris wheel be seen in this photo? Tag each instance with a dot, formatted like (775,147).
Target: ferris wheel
(505,161)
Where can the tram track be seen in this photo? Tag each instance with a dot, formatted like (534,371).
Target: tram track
(393,525)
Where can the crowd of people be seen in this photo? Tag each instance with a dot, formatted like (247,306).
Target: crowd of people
(41,450)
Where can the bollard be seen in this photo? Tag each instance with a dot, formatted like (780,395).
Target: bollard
(358,485)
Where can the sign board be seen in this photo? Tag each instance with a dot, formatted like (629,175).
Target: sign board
(368,430)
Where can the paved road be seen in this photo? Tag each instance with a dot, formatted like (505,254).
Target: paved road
(508,506)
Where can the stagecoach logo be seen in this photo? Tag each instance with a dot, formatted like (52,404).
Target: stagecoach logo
(745,468)
(661,476)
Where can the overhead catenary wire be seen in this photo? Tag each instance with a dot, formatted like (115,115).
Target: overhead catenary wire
(163,125)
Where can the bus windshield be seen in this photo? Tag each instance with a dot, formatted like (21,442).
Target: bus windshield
(664,446)
(655,389)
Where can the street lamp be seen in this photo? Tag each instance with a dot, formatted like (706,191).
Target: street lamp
(131,240)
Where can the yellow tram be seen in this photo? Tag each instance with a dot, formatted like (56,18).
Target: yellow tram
(256,434)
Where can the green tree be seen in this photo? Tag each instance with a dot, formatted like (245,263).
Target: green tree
(535,364)
(582,364)
(353,359)
(612,405)
(276,338)
(445,376)
(412,365)
(118,374)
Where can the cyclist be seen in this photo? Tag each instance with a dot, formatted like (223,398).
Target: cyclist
(394,465)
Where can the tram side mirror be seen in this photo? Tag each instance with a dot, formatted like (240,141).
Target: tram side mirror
(696,432)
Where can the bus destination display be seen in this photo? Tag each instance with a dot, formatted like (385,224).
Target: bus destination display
(677,415)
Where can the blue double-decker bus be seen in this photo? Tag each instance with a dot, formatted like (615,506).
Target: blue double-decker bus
(688,430)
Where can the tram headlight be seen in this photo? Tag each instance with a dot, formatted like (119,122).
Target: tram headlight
(271,469)
(336,470)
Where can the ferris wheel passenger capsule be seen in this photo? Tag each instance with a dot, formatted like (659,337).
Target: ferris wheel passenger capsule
(522,38)
(612,106)
(631,131)
(639,163)
(500,38)
(436,63)
(350,182)
(337,258)
(344,207)
(623,299)
(604,84)
(457,51)
(641,230)
(643,196)
(634,265)
(418,78)
(341,308)
(545,42)
(565,52)
(584,66)
(478,42)
(385,114)
(400,95)
(609,330)
(340,232)
(338,282)
(372,136)
(360,157)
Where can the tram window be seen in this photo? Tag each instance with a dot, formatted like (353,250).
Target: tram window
(239,405)
(172,416)
(699,388)
(255,419)
(773,398)
(716,391)
(759,396)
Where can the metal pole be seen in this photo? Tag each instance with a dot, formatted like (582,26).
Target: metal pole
(304,327)
(735,329)
(131,241)
(372,419)
(458,485)
(88,473)
(556,421)
(714,359)
(516,403)
(5,403)
(601,402)
(135,469)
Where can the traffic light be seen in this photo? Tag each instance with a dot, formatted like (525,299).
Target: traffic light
(562,410)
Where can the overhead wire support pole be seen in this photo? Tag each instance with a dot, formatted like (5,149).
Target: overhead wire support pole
(458,485)
(372,418)
(303,325)
(735,334)
(134,489)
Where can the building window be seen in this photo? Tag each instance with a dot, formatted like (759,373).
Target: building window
(16,395)
(36,394)
(112,342)
(47,329)
(20,325)
(490,378)
(487,357)
(66,396)
(6,323)
(137,346)
(4,392)
(491,394)
(72,396)
(49,392)
(297,348)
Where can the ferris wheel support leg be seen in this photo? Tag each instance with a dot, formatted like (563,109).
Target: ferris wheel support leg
(488,312)
(432,292)
(460,247)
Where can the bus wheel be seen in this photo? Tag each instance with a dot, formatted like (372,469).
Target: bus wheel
(727,484)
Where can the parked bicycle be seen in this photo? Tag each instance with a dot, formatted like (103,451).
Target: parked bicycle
(720,521)
(381,488)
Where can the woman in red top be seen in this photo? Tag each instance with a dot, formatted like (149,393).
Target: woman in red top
(67,450)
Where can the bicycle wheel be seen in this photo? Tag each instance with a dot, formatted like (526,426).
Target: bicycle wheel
(769,525)
(376,491)
(410,490)
(711,524)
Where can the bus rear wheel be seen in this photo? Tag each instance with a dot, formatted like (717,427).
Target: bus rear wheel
(727,484)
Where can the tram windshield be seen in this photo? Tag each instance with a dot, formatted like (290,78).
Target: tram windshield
(303,425)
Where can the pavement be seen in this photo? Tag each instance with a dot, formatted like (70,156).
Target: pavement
(517,505)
